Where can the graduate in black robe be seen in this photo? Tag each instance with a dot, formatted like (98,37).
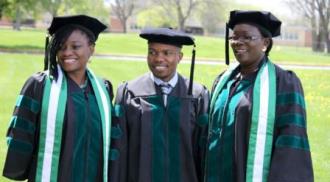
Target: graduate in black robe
(257,120)
(161,129)
(60,128)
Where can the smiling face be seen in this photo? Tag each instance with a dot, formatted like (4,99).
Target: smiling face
(163,60)
(74,53)
(248,45)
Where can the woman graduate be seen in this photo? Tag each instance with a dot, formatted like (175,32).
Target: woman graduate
(60,128)
(257,125)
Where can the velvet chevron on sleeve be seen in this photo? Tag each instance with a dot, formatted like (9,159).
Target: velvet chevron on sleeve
(22,135)
(291,154)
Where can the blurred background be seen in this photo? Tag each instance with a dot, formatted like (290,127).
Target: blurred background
(305,22)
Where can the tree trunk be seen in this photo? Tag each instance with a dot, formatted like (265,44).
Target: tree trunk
(315,41)
(324,11)
(124,26)
(319,42)
(328,46)
(326,41)
(17,23)
(181,25)
(181,19)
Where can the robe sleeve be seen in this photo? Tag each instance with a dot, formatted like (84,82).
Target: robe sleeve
(202,130)
(291,157)
(119,155)
(23,131)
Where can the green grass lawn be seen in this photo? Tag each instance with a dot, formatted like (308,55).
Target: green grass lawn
(15,69)
(210,48)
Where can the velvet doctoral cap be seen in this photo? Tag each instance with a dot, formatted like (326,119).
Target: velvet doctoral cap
(167,36)
(265,21)
(90,23)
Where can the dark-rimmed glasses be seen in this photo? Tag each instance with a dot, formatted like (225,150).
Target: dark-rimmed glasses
(244,39)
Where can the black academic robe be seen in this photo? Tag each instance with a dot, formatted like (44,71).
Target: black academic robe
(155,142)
(290,158)
(81,157)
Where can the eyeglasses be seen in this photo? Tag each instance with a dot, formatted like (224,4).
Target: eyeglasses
(244,39)
(165,53)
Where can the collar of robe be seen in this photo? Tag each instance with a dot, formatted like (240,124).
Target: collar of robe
(262,121)
(51,127)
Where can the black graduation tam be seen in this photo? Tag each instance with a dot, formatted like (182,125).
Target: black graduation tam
(172,37)
(90,23)
(260,18)
(167,36)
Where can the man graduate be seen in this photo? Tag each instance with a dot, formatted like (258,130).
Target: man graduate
(161,117)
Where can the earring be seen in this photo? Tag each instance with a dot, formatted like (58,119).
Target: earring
(264,49)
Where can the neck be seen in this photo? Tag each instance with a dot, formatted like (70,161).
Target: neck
(79,79)
(246,69)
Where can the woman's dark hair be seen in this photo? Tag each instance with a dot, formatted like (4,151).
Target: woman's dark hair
(266,34)
(57,41)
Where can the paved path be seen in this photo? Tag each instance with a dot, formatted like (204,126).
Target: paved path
(207,62)
(186,61)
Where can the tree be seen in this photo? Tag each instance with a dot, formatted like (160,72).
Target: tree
(154,16)
(318,14)
(123,9)
(3,5)
(179,9)
(95,8)
(52,6)
(212,14)
(323,8)
(17,9)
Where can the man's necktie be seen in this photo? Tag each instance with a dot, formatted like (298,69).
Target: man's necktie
(166,89)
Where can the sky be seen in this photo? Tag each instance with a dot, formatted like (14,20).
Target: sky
(276,6)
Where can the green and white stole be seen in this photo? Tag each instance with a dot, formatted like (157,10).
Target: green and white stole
(51,127)
(262,121)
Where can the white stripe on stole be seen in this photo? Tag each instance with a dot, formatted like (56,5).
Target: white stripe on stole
(107,118)
(51,124)
(262,126)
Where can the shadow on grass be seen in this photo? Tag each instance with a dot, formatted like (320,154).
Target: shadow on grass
(22,49)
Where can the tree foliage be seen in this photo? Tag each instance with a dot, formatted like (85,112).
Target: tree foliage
(69,7)
(154,17)
(179,9)
(3,5)
(17,9)
(212,15)
(52,6)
